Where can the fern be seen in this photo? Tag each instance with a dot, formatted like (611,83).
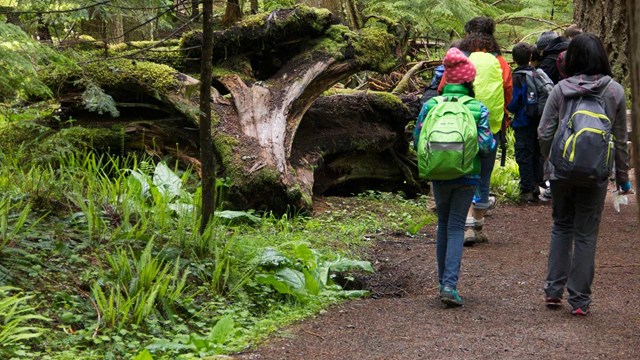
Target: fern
(96,100)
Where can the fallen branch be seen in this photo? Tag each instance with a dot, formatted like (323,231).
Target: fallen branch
(508,19)
(314,334)
(402,84)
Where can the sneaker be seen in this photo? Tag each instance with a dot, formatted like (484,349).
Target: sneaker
(581,311)
(492,202)
(450,297)
(492,205)
(547,193)
(552,302)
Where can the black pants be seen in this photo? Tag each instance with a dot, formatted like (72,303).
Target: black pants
(528,157)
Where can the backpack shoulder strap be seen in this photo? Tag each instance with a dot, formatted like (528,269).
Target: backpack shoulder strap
(464,99)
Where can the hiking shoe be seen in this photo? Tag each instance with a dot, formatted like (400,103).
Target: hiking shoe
(581,311)
(469,237)
(480,236)
(553,302)
(474,236)
(450,297)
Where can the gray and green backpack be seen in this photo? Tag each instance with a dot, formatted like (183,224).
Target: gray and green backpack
(582,150)
(448,141)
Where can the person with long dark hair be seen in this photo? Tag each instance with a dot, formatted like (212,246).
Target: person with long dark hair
(493,87)
(577,205)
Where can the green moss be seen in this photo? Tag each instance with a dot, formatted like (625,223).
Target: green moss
(376,48)
(78,139)
(118,73)
(15,134)
(334,41)
(224,146)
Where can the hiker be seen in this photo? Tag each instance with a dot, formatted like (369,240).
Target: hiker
(570,32)
(527,104)
(579,184)
(453,196)
(550,45)
(493,88)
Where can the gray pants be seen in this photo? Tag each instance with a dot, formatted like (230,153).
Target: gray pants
(577,212)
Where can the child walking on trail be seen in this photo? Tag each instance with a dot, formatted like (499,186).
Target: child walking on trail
(525,125)
(578,200)
(453,197)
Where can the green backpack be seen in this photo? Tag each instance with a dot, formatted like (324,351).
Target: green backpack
(488,86)
(448,141)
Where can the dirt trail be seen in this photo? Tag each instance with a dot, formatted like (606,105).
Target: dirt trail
(501,283)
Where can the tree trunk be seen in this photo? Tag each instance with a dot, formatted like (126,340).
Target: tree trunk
(607,19)
(42,30)
(353,14)
(207,155)
(195,8)
(254,6)
(232,13)
(335,6)
(633,14)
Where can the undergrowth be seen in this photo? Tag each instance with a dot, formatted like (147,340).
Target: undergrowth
(111,246)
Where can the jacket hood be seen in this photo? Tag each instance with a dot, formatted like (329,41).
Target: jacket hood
(579,85)
(557,45)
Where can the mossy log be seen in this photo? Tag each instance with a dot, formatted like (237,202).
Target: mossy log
(270,69)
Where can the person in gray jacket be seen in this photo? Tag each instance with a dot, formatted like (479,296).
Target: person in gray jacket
(577,207)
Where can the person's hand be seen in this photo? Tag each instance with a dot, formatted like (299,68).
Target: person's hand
(626,188)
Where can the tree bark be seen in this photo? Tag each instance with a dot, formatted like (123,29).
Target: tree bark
(633,17)
(608,20)
(232,13)
(207,155)
(195,8)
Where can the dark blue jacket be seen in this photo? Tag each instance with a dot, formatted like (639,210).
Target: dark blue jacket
(519,99)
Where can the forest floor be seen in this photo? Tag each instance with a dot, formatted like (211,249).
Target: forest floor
(501,283)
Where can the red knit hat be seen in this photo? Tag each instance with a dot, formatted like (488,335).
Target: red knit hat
(458,68)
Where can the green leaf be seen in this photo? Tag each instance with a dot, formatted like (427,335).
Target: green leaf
(273,257)
(143,355)
(237,215)
(280,286)
(221,330)
(347,264)
(313,284)
(167,181)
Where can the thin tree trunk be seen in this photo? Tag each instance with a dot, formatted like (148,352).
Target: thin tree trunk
(633,16)
(232,13)
(43,30)
(254,7)
(195,9)
(355,20)
(206,143)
